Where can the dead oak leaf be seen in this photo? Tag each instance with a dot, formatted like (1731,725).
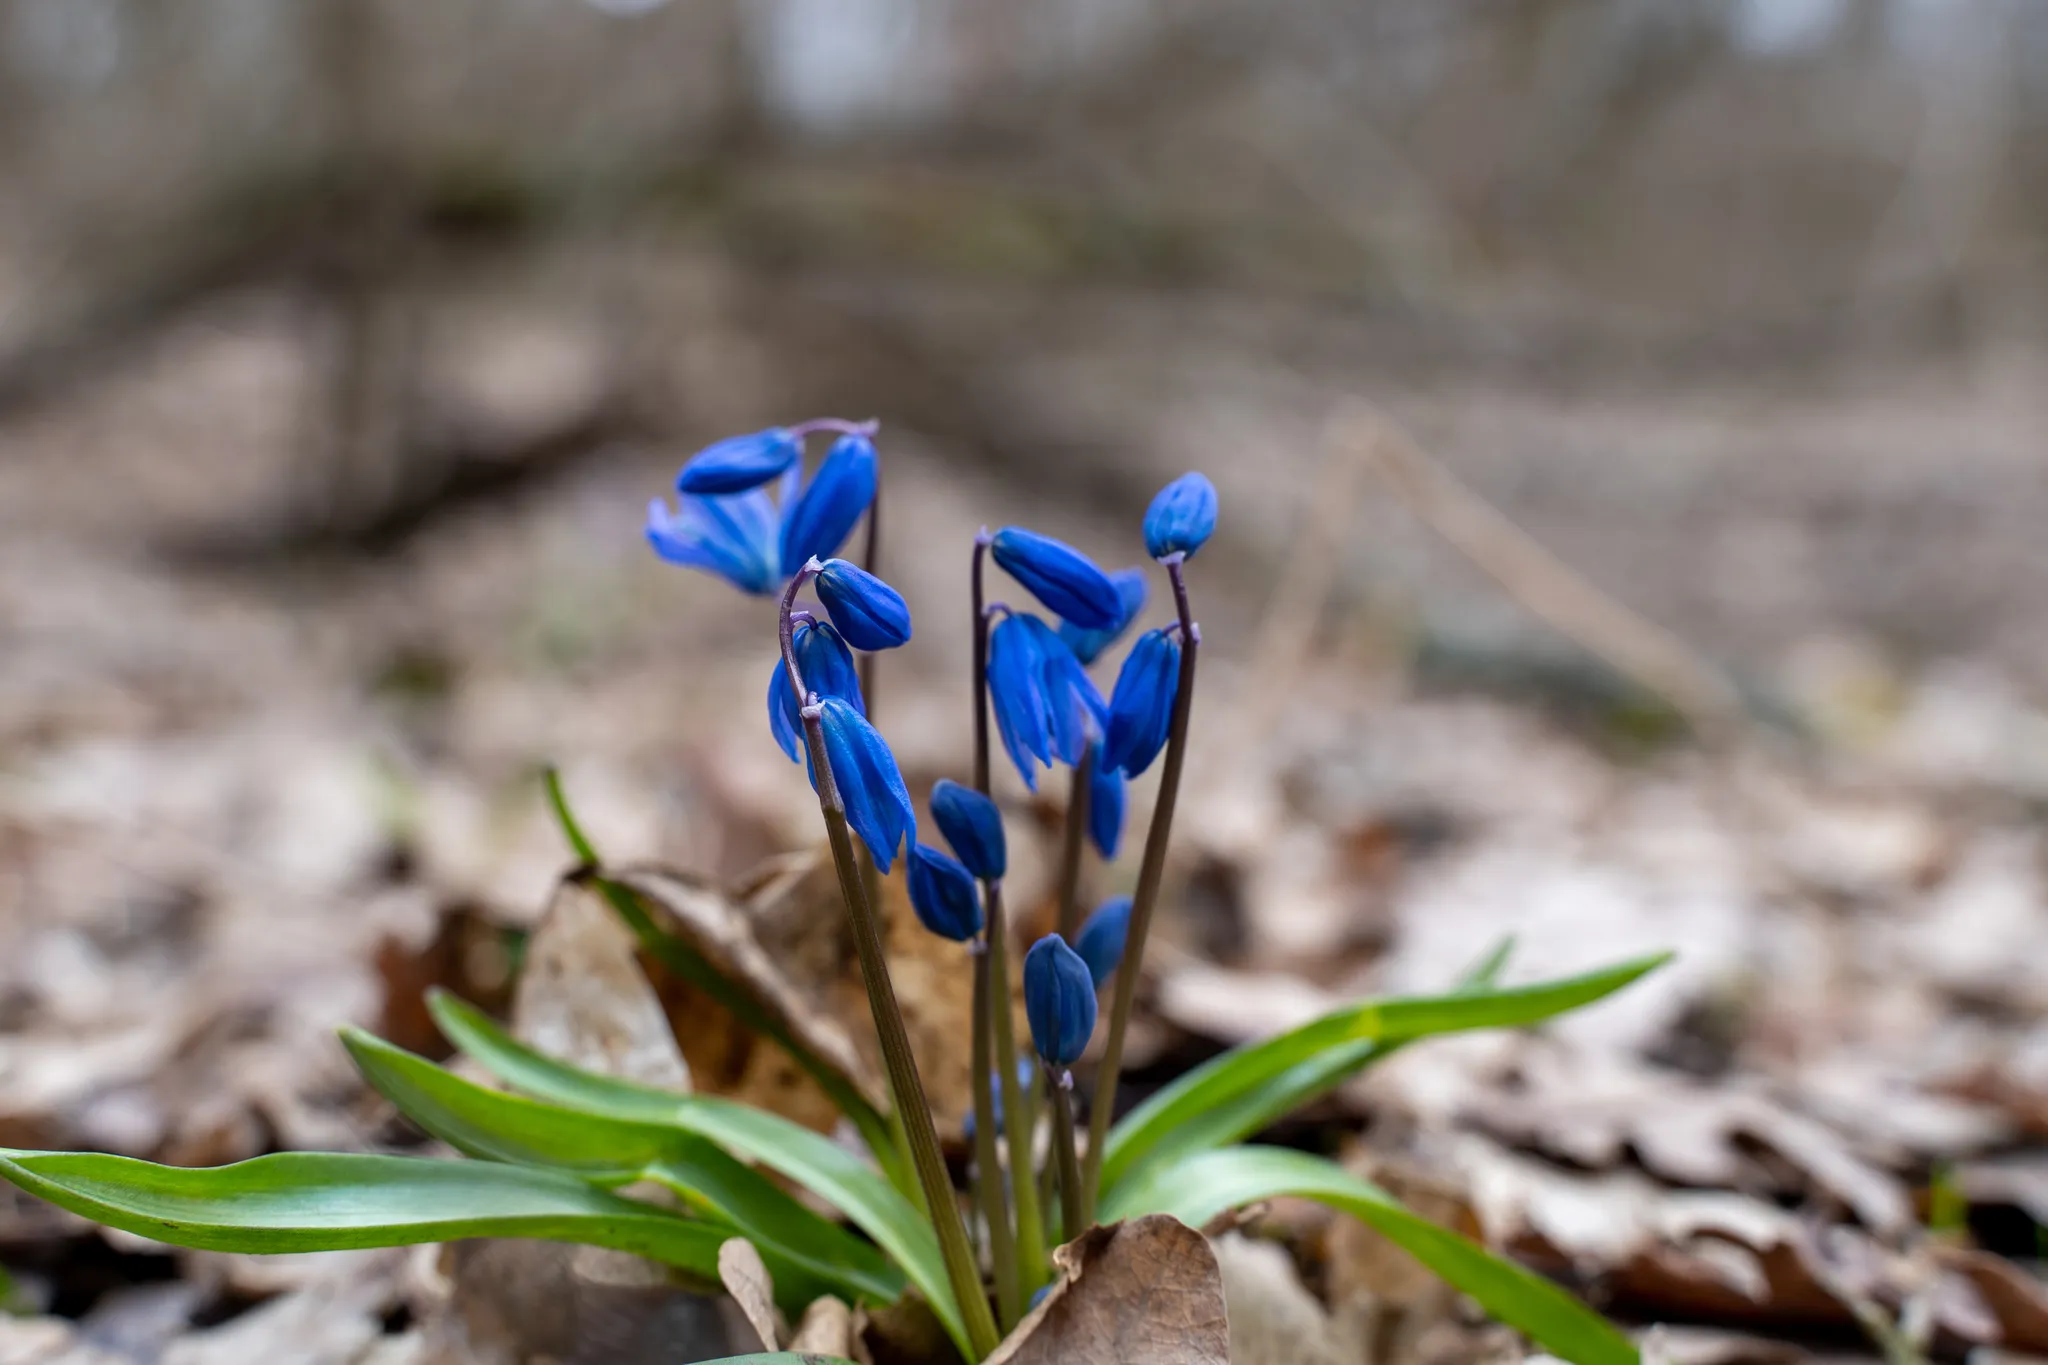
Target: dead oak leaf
(1143,1292)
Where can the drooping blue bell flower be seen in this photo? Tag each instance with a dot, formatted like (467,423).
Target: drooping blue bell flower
(1141,707)
(1059,1001)
(1089,644)
(870,784)
(739,463)
(869,613)
(1100,941)
(1058,575)
(834,500)
(1046,705)
(1181,517)
(1105,806)
(972,826)
(732,537)
(943,893)
(828,670)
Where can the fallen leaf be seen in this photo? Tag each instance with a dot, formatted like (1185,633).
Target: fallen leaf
(1143,1292)
(583,999)
(746,1278)
(1274,1319)
(826,1329)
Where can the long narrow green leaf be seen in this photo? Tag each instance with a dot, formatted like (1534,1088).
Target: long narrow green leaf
(686,962)
(1224,1080)
(811,1160)
(807,1255)
(1269,1101)
(1196,1188)
(314,1201)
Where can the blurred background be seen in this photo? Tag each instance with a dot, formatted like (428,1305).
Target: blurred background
(1628,416)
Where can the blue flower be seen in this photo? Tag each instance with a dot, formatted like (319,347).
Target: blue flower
(1105,806)
(943,893)
(973,826)
(1059,1000)
(869,613)
(1058,575)
(1046,705)
(842,489)
(1181,517)
(739,463)
(870,785)
(828,669)
(1141,707)
(1101,940)
(1088,644)
(733,537)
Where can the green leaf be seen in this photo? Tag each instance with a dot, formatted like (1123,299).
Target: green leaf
(807,1255)
(680,957)
(1236,1094)
(1196,1188)
(315,1201)
(791,1150)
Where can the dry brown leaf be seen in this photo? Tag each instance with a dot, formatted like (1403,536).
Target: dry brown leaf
(2016,1300)
(519,1302)
(826,1329)
(1274,1319)
(745,1276)
(583,999)
(1143,1292)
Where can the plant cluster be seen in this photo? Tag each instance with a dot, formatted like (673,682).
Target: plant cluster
(551,1153)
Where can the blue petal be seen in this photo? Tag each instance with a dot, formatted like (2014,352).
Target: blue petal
(1058,575)
(870,784)
(1100,942)
(827,664)
(1074,710)
(1089,644)
(943,893)
(816,524)
(869,613)
(1141,708)
(1181,517)
(1016,694)
(785,721)
(973,826)
(739,463)
(1105,806)
(1059,1001)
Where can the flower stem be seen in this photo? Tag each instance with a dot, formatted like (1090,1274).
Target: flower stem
(1070,851)
(988,1174)
(905,1087)
(1150,873)
(1031,1262)
(870,878)
(1072,1211)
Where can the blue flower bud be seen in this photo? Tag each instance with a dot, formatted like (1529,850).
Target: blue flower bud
(870,784)
(1181,517)
(818,522)
(943,893)
(1101,940)
(1141,707)
(869,613)
(1089,644)
(973,826)
(1105,806)
(1059,1000)
(1046,705)
(739,463)
(1058,575)
(828,669)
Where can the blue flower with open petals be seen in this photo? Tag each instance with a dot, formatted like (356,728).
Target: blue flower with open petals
(1089,644)
(869,613)
(739,463)
(1058,575)
(828,669)
(1059,1001)
(1141,707)
(869,782)
(1181,517)
(1046,705)
(755,538)
(1100,941)
(943,893)
(973,826)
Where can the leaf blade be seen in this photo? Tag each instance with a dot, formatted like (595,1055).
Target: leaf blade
(1363,1031)
(1198,1187)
